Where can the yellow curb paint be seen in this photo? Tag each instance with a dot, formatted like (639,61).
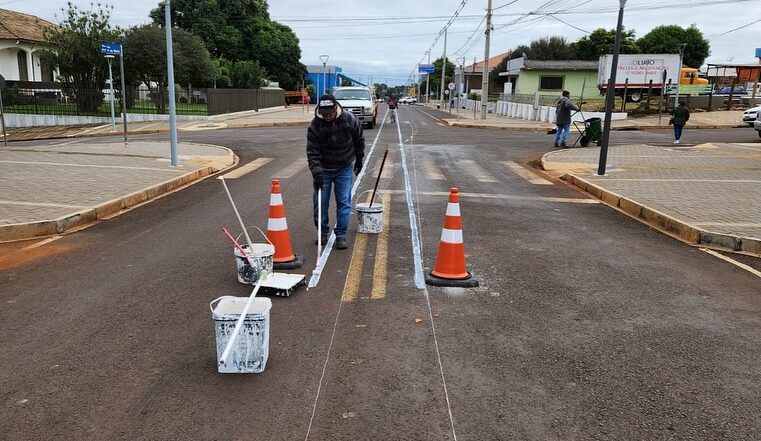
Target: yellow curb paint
(354,275)
(380,271)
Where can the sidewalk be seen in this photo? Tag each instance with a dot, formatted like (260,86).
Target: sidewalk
(53,189)
(707,194)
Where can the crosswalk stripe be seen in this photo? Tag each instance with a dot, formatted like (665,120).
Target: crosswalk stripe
(475,170)
(289,171)
(430,169)
(526,174)
(248,168)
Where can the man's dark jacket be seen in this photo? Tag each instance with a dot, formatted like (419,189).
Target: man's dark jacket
(332,145)
(563,111)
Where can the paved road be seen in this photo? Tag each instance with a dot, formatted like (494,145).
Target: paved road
(586,325)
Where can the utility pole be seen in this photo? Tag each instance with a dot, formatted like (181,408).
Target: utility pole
(485,79)
(610,94)
(170,76)
(428,82)
(443,68)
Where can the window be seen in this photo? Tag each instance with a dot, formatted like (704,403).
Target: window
(23,69)
(551,83)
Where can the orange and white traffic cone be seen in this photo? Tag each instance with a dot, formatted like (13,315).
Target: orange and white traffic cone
(449,268)
(277,232)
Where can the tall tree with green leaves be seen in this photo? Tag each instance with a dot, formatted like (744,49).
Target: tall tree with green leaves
(553,48)
(438,64)
(248,75)
(241,30)
(601,42)
(145,60)
(74,48)
(668,38)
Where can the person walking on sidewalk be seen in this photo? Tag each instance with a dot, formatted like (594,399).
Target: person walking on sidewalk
(679,119)
(335,148)
(563,119)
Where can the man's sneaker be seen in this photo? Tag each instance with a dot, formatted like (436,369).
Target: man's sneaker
(556,145)
(324,238)
(341,243)
(676,141)
(562,145)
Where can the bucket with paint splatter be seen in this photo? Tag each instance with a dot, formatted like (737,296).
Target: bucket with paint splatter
(369,218)
(251,347)
(261,259)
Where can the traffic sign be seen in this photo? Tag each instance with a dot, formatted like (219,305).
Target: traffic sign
(450,86)
(426,69)
(111,48)
(758,52)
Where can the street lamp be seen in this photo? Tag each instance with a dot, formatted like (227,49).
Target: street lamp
(610,94)
(110,57)
(324,59)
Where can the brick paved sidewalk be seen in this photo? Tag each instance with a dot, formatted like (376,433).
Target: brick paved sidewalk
(706,194)
(50,189)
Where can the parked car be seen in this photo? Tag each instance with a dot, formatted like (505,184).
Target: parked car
(757,125)
(750,115)
(407,100)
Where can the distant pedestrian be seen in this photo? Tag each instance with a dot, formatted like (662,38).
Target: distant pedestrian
(679,119)
(335,148)
(563,119)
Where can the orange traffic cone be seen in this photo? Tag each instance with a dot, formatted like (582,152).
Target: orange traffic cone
(277,232)
(449,268)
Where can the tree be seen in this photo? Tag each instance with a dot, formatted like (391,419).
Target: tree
(248,75)
(74,48)
(553,48)
(520,51)
(221,73)
(145,60)
(666,40)
(241,30)
(601,42)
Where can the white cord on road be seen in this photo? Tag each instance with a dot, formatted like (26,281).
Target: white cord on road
(419,273)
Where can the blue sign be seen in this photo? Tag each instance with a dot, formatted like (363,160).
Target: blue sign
(758,52)
(426,69)
(111,48)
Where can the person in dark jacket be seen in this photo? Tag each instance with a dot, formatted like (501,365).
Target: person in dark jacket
(680,117)
(563,118)
(335,148)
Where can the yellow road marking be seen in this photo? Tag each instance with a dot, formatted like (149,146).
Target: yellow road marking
(381,254)
(354,275)
(248,168)
(526,174)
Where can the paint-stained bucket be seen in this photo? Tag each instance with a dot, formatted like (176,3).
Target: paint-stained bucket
(251,348)
(261,255)
(369,218)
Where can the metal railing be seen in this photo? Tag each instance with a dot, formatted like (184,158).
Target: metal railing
(238,100)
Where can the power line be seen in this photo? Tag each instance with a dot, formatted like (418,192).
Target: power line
(733,30)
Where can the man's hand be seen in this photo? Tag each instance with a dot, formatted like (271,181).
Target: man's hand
(357,168)
(317,182)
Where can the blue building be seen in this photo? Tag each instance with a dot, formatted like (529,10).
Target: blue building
(326,79)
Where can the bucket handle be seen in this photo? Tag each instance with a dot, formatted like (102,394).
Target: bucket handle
(265,236)
(217,300)
(367,191)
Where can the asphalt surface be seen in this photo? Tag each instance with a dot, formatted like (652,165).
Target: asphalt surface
(586,324)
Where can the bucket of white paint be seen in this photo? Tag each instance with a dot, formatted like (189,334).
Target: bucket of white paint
(369,218)
(261,256)
(251,348)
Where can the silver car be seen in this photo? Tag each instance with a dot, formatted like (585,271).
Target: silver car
(750,115)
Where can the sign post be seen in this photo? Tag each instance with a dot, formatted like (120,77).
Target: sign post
(2,111)
(110,50)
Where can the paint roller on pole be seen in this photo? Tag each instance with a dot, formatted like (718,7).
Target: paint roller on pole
(380,172)
(235,209)
(317,270)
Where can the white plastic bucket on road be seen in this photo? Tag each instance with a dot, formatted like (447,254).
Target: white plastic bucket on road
(261,254)
(251,349)
(370,218)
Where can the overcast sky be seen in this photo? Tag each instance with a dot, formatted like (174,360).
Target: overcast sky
(385,39)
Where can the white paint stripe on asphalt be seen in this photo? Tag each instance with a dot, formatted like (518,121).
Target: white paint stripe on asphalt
(505,197)
(91,130)
(476,171)
(39,204)
(289,171)
(747,268)
(431,170)
(117,167)
(248,168)
(41,243)
(526,174)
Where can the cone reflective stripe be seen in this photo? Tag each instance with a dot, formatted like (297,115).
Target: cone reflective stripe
(449,268)
(277,227)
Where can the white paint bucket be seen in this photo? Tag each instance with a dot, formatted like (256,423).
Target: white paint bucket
(370,218)
(261,255)
(251,348)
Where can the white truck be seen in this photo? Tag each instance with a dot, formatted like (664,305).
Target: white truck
(360,102)
(639,69)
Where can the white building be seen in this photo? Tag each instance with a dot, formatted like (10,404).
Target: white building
(21,36)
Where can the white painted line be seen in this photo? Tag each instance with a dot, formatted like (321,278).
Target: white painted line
(388,170)
(288,172)
(747,268)
(65,143)
(526,174)
(507,197)
(91,130)
(476,171)
(40,204)
(416,251)
(248,168)
(150,125)
(64,164)
(41,243)
(431,170)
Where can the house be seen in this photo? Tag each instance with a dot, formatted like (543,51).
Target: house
(21,36)
(551,77)
(473,74)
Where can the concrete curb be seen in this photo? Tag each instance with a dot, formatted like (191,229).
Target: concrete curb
(663,222)
(89,216)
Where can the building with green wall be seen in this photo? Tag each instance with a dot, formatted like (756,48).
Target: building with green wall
(551,77)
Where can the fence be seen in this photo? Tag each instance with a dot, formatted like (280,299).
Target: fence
(237,100)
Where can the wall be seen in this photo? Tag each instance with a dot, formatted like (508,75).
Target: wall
(544,113)
(528,82)
(23,120)
(237,100)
